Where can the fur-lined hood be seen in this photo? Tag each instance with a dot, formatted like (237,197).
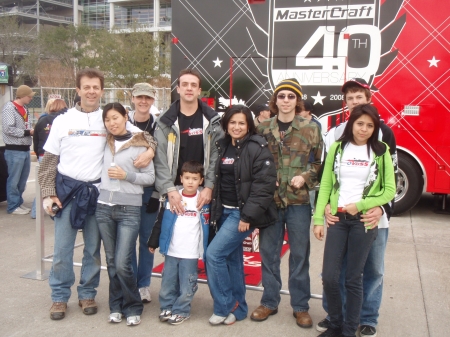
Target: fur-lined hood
(137,140)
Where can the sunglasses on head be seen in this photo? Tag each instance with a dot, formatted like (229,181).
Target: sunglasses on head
(289,96)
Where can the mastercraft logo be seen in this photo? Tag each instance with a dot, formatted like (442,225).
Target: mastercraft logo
(325,12)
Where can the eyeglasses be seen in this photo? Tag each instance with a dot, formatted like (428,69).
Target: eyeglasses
(289,96)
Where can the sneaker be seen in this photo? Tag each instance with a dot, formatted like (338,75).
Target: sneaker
(331,333)
(165,315)
(115,317)
(323,325)
(367,331)
(231,319)
(177,319)
(133,320)
(20,211)
(88,306)
(216,320)
(25,208)
(58,310)
(145,294)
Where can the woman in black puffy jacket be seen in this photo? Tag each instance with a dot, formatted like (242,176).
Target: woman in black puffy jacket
(242,200)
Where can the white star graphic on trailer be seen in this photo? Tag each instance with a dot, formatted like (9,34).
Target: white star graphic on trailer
(433,62)
(318,98)
(217,62)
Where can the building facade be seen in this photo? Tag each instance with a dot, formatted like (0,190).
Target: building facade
(149,15)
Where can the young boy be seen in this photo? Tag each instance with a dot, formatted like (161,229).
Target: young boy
(182,238)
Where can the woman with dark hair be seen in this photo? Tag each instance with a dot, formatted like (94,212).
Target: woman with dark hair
(358,175)
(55,107)
(119,211)
(242,200)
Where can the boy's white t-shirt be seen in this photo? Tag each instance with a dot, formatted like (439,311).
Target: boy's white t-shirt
(185,241)
(353,173)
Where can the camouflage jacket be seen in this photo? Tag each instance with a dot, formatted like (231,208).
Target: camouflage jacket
(291,157)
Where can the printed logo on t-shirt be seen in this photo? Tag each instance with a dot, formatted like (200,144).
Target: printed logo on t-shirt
(227,161)
(193,132)
(89,133)
(190,214)
(356,162)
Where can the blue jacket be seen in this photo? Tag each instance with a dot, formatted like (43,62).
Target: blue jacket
(163,230)
(83,194)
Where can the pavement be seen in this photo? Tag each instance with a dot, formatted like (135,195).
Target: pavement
(415,303)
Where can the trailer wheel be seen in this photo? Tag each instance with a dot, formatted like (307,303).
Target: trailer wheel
(409,184)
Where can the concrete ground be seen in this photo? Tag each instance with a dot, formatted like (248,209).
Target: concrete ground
(415,303)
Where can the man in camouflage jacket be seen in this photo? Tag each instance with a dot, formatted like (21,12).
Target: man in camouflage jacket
(291,140)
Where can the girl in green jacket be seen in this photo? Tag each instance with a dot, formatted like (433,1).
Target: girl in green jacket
(358,175)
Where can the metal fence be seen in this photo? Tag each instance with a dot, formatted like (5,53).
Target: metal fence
(121,95)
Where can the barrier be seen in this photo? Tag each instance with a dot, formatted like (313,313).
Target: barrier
(41,274)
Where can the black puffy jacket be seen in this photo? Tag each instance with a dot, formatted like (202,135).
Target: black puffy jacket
(255,174)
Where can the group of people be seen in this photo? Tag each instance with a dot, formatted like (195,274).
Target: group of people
(196,185)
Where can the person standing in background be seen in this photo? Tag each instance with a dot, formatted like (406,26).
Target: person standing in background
(262,112)
(17,134)
(143,97)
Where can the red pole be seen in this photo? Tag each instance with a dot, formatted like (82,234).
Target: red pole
(231,81)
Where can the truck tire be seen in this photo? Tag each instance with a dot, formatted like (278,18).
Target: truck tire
(409,184)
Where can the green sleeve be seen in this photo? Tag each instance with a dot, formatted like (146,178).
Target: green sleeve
(326,185)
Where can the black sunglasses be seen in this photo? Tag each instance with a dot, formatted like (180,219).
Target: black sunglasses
(289,96)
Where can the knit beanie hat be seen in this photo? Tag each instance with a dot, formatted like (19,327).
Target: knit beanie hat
(289,84)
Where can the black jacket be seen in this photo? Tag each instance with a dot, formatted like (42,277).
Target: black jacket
(255,174)
(42,130)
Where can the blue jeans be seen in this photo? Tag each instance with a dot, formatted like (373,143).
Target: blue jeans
(297,219)
(372,281)
(346,237)
(33,207)
(18,171)
(225,266)
(143,270)
(119,227)
(62,276)
(178,285)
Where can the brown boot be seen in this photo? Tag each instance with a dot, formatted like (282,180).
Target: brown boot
(261,313)
(58,310)
(88,306)
(303,319)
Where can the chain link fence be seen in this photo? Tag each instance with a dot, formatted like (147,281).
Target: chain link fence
(110,95)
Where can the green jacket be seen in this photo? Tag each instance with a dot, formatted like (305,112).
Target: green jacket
(378,190)
(291,158)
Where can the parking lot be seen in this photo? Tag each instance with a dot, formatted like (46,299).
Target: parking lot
(416,299)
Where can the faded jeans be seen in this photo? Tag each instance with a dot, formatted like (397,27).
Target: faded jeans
(119,227)
(18,171)
(62,276)
(297,219)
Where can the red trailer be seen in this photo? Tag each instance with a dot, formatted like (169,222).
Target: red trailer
(243,48)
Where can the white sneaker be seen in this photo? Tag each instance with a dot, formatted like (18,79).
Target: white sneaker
(115,317)
(216,320)
(145,294)
(134,320)
(231,319)
(25,208)
(20,211)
